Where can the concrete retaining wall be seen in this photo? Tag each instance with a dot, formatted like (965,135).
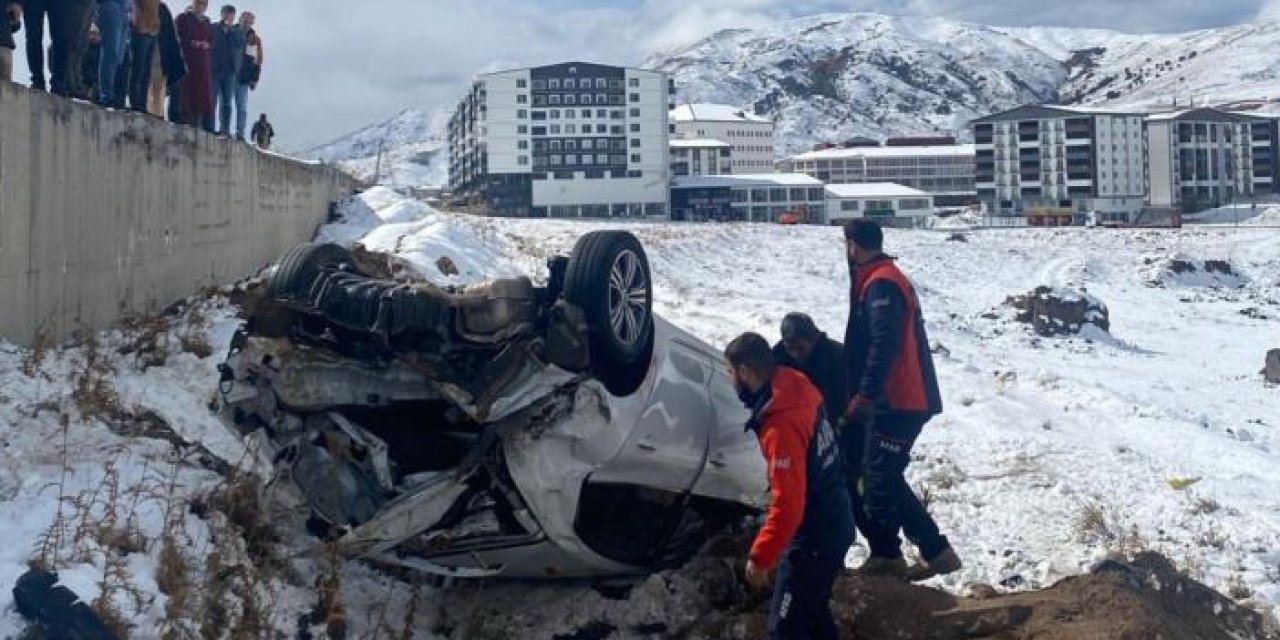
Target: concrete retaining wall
(106,214)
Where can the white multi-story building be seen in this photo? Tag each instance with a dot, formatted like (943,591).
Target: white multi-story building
(893,205)
(1204,158)
(751,136)
(1053,160)
(566,140)
(945,171)
(700,157)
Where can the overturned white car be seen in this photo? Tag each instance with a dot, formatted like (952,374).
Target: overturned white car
(504,428)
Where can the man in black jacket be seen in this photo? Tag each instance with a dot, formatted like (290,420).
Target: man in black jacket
(808,350)
(895,393)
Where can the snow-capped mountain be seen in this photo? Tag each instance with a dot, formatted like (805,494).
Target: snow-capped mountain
(833,77)
(413,150)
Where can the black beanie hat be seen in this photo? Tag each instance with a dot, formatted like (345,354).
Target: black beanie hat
(798,326)
(865,233)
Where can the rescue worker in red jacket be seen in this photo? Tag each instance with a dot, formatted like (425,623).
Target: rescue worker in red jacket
(809,524)
(896,393)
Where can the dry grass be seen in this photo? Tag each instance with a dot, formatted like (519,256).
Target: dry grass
(1098,524)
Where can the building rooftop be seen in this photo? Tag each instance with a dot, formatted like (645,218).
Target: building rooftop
(874,190)
(952,151)
(698,143)
(1045,111)
(1205,114)
(707,112)
(748,180)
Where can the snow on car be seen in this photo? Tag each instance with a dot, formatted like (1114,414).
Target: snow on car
(498,428)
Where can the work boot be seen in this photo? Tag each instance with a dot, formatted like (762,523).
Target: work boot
(945,563)
(883,567)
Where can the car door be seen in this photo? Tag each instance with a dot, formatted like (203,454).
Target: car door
(667,447)
(735,469)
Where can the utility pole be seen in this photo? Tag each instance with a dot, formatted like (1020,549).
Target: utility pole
(377,165)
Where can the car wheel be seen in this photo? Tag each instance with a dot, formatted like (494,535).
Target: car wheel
(300,267)
(609,279)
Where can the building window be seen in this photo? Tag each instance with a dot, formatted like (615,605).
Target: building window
(602,98)
(522,114)
(849,205)
(602,158)
(569,98)
(522,161)
(616,159)
(522,129)
(594,174)
(521,83)
(635,97)
(539,145)
(602,143)
(539,85)
(615,83)
(556,145)
(588,145)
(588,159)
(635,128)
(585,99)
(635,157)
(619,145)
(570,145)
(586,113)
(556,160)
(553,83)
(554,129)
(635,82)
(553,99)
(522,99)
(523,144)
(554,114)
(570,114)
(635,143)
(539,116)
(913,204)
(635,113)
(571,129)
(571,159)
(601,83)
(570,83)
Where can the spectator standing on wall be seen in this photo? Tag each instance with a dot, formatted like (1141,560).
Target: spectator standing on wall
(196,33)
(146,33)
(228,55)
(250,70)
(34,14)
(114,17)
(12,23)
(86,70)
(263,132)
(167,65)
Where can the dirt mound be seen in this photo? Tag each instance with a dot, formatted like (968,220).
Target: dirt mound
(1060,312)
(1185,271)
(707,599)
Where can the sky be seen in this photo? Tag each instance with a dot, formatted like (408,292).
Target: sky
(333,66)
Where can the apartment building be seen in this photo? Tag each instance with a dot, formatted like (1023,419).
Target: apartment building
(567,140)
(700,157)
(750,135)
(1204,158)
(947,172)
(1054,160)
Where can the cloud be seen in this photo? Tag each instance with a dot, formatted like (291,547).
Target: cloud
(334,65)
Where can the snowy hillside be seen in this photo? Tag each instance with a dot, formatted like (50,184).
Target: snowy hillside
(413,145)
(836,76)
(1052,451)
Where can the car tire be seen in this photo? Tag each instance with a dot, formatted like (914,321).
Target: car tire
(608,277)
(299,268)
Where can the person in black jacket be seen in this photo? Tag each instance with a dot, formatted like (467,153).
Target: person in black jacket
(895,394)
(12,23)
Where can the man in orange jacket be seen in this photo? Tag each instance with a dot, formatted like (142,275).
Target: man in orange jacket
(809,524)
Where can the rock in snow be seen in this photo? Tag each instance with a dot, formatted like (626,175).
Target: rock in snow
(1060,312)
(1272,369)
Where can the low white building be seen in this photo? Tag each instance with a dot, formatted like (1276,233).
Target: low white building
(892,205)
(944,170)
(751,135)
(751,198)
(700,157)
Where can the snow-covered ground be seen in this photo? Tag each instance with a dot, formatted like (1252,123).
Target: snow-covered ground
(1051,452)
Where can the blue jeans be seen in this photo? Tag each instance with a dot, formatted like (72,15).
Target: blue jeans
(242,109)
(113,25)
(225,86)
